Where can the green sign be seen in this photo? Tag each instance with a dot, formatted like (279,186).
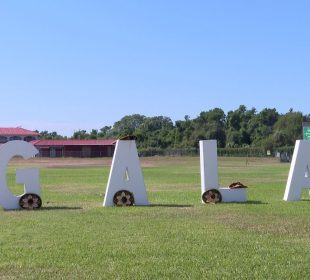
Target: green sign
(306,130)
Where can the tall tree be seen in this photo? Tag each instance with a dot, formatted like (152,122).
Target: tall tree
(80,134)
(50,135)
(237,126)
(183,132)
(105,132)
(156,132)
(260,127)
(210,125)
(93,134)
(127,125)
(288,129)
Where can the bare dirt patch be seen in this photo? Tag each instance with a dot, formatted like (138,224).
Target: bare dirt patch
(84,162)
(61,162)
(155,161)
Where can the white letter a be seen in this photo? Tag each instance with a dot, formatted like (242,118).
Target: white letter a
(126,174)
(299,177)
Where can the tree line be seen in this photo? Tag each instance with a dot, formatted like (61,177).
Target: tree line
(239,128)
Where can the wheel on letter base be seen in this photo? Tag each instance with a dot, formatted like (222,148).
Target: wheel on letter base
(30,201)
(212,196)
(123,198)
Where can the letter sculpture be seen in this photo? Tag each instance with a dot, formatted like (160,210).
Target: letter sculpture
(210,188)
(299,175)
(126,184)
(27,176)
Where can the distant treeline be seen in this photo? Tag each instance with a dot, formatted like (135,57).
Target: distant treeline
(241,128)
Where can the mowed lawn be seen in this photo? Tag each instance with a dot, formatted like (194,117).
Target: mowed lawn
(177,237)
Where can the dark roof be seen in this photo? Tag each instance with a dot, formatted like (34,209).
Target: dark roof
(16,131)
(47,143)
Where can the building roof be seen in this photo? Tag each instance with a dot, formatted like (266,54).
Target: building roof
(48,143)
(17,131)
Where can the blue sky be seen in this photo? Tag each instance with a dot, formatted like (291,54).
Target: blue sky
(69,64)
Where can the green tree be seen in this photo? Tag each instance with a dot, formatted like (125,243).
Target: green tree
(183,132)
(261,126)
(104,132)
(237,127)
(288,129)
(127,125)
(210,125)
(156,132)
(50,135)
(93,134)
(80,134)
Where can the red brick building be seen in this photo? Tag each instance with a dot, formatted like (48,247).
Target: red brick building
(75,148)
(60,148)
(17,133)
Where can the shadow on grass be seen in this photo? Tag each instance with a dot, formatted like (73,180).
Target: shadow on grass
(255,202)
(49,208)
(172,205)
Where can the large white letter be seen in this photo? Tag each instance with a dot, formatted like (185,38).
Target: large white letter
(28,176)
(125,175)
(209,174)
(208,165)
(299,175)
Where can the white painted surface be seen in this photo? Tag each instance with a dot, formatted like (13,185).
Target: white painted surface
(209,173)
(126,174)
(27,176)
(299,177)
(233,195)
(30,177)
(208,165)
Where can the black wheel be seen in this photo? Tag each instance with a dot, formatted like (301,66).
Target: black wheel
(123,198)
(212,196)
(30,201)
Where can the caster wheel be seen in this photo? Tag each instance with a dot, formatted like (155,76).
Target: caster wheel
(30,201)
(123,198)
(212,196)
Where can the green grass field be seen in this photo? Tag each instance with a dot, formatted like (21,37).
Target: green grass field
(178,237)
